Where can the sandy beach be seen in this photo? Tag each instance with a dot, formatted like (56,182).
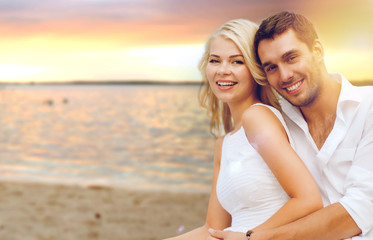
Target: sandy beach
(39,211)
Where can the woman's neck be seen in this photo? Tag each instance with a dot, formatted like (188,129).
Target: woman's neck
(238,108)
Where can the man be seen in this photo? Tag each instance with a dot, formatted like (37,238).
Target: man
(331,123)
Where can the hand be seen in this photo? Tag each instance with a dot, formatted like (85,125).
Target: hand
(226,235)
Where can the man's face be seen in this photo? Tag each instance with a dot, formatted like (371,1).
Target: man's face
(291,67)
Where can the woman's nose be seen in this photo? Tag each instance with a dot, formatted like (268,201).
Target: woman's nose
(224,69)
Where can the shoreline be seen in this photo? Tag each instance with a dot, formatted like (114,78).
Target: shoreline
(34,210)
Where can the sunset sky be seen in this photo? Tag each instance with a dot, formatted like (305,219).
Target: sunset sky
(48,40)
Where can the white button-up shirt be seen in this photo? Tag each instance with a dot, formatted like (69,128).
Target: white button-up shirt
(343,167)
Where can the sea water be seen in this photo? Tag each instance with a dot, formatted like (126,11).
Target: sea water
(137,136)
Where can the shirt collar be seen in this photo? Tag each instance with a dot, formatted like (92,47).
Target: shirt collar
(348,91)
(293,113)
(349,97)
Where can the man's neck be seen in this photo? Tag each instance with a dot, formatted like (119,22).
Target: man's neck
(321,114)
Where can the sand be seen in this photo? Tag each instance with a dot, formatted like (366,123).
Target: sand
(39,211)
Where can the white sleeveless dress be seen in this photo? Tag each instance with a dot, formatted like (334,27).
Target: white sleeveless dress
(246,187)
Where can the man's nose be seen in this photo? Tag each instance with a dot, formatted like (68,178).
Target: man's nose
(286,73)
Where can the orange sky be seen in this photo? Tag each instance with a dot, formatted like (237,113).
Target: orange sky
(43,40)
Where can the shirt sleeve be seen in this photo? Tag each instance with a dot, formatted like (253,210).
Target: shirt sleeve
(358,200)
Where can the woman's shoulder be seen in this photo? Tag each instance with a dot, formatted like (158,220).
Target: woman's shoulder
(260,112)
(262,119)
(218,149)
(219,143)
(266,107)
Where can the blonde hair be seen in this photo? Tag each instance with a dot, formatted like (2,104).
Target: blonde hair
(241,32)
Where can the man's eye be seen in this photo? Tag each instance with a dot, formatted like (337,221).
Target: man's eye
(270,68)
(292,58)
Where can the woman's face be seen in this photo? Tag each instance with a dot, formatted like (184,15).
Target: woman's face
(227,72)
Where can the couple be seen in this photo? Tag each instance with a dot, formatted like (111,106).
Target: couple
(262,188)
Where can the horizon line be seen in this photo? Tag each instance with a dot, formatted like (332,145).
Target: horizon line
(133,82)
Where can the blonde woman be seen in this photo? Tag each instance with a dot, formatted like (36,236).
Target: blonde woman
(259,182)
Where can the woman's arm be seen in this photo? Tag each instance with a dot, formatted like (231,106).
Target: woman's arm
(268,136)
(217,217)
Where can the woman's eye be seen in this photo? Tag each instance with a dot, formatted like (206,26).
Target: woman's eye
(238,62)
(213,61)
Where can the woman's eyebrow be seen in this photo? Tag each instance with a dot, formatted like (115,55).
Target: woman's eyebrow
(237,55)
(232,56)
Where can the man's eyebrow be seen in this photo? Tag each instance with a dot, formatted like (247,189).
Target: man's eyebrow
(288,53)
(266,64)
(284,56)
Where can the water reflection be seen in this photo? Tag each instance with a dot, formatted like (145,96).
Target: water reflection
(145,136)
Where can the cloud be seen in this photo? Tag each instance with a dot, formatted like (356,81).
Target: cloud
(166,20)
(79,26)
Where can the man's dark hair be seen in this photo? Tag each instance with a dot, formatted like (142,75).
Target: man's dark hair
(279,23)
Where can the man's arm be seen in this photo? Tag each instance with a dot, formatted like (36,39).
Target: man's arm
(329,223)
(353,214)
